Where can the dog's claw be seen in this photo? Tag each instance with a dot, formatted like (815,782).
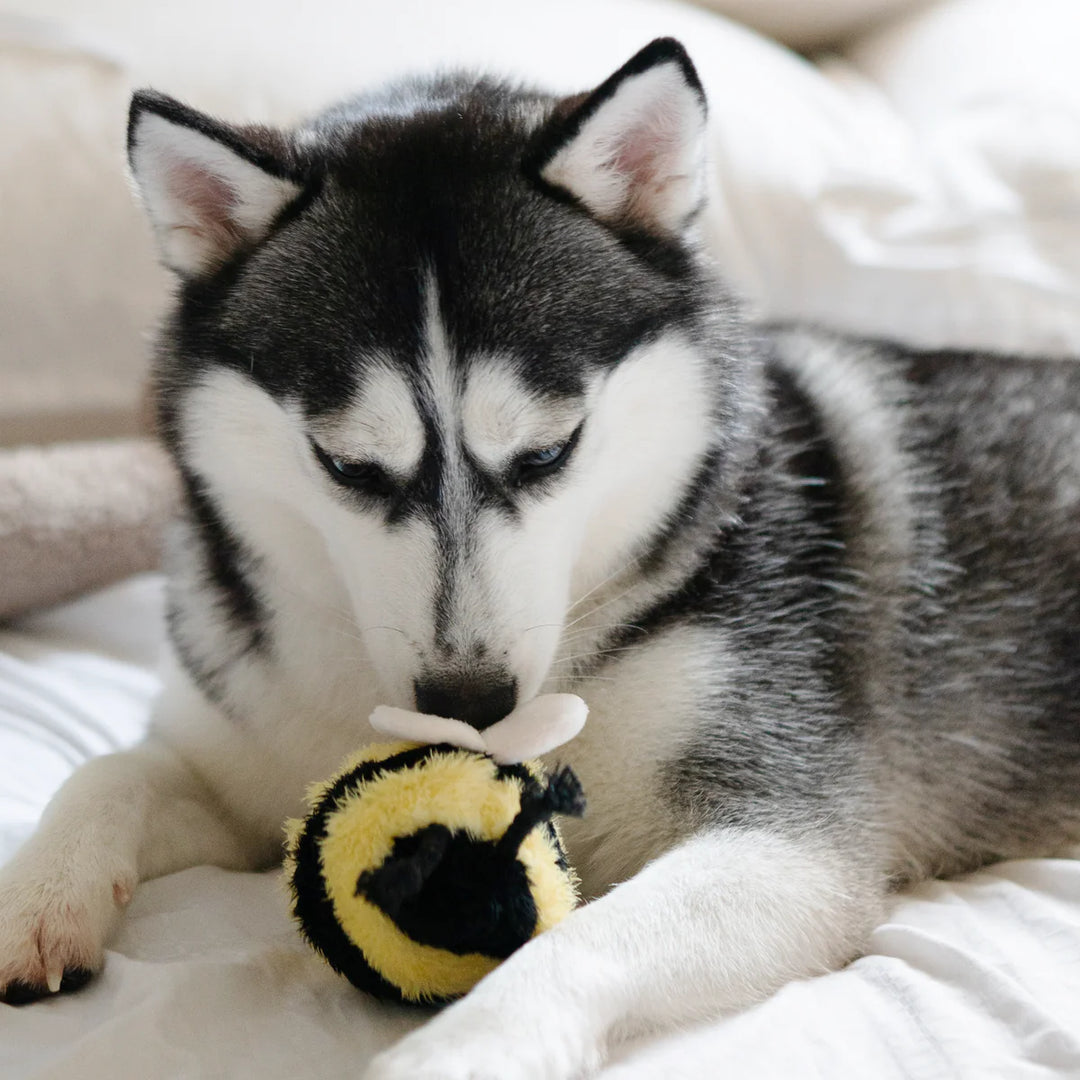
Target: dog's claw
(20,992)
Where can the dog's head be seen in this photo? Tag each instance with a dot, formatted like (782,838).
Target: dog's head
(447,353)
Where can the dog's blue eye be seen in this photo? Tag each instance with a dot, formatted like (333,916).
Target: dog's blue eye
(348,470)
(541,457)
(364,476)
(539,463)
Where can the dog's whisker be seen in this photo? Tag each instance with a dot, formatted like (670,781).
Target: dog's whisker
(595,653)
(571,679)
(600,607)
(321,606)
(600,628)
(362,630)
(394,629)
(599,585)
(582,631)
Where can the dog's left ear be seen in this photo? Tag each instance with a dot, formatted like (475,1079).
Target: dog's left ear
(633,151)
(210,189)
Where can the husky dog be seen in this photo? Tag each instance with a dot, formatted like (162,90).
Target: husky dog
(464,414)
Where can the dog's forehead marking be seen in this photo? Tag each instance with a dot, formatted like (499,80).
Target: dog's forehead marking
(501,416)
(439,388)
(484,409)
(439,400)
(452,510)
(381,423)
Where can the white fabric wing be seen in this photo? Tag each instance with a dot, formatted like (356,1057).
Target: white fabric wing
(425,728)
(537,727)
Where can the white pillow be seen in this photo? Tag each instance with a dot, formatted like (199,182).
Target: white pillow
(809,24)
(273,59)
(982,243)
(926,190)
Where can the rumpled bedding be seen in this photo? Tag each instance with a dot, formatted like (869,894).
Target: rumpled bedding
(978,977)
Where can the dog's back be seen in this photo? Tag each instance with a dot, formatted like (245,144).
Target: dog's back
(896,609)
(994,674)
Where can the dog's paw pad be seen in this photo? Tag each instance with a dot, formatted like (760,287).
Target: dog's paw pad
(19,992)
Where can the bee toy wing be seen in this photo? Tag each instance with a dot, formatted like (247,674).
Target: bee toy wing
(424,728)
(536,727)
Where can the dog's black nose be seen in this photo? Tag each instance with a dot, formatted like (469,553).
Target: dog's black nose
(479,702)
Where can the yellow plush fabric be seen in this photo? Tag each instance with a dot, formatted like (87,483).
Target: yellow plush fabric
(458,789)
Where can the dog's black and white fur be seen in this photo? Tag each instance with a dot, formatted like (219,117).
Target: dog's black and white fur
(464,414)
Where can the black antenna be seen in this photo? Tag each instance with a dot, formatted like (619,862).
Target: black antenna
(562,794)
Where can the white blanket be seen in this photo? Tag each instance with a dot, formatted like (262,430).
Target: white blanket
(207,977)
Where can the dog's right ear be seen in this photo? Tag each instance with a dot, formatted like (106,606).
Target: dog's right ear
(209,189)
(632,152)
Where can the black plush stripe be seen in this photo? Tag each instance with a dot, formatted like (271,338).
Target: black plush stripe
(314,911)
(313,908)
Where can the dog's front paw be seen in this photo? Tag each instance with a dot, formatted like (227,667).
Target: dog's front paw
(472,1041)
(52,933)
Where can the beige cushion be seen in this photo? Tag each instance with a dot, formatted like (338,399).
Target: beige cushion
(78,280)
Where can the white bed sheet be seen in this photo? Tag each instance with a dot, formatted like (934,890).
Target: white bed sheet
(206,977)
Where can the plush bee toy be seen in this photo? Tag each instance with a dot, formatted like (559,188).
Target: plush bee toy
(426,862)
